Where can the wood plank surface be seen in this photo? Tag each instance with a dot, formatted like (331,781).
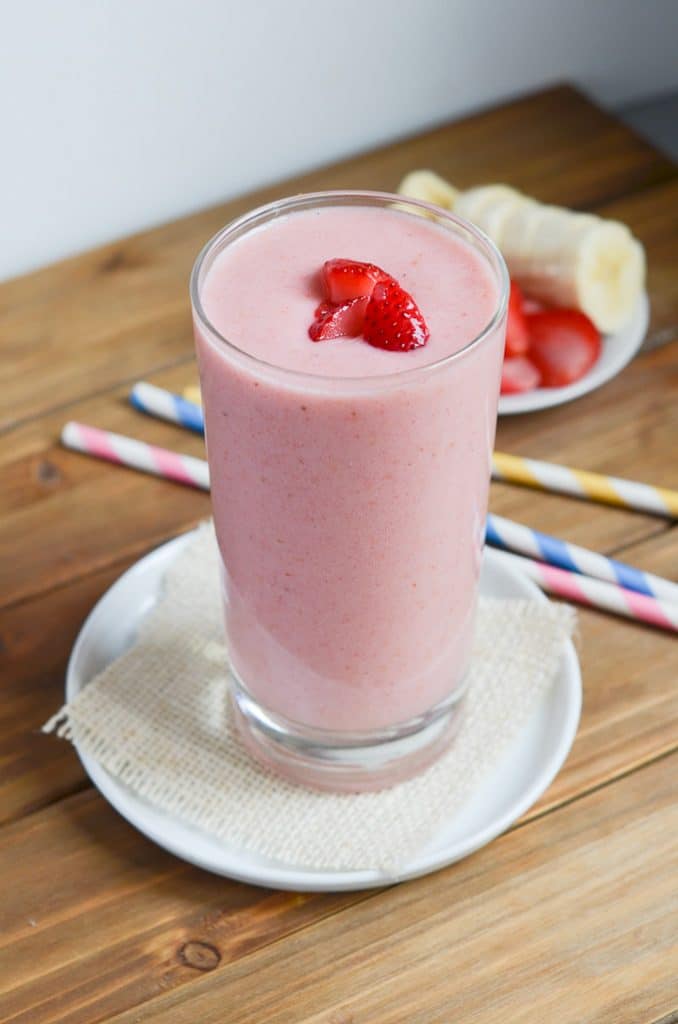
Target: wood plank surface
(590,890)
(120,311)
(116,921)
(570,916)
(36,638)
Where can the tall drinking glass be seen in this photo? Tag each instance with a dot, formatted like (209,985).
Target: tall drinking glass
(350,509)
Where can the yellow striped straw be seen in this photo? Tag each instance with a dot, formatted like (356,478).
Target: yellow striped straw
(610,490)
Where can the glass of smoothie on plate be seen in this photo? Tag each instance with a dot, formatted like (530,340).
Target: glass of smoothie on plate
(350,349)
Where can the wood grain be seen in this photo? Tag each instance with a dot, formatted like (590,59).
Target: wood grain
(117,921)
(571,917)
(36,638)
(121,311)
(100,513)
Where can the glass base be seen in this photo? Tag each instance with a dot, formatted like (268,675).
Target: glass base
(345,762)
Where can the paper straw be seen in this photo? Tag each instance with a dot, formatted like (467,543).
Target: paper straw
(596,593)
(504,533)
(610,490)
(166,406)
(183,469)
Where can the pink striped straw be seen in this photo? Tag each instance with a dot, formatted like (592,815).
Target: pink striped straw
(596,593)
(126,451)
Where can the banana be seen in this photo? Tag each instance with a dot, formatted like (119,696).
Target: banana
(493,210)
(577,260)
(430,188)
(558,256)
(473,203)
(517,231)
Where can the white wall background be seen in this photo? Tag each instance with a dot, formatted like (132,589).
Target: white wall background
(118,114)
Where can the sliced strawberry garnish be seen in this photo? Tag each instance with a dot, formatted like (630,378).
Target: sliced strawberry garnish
(518,374)
(349,279)
(342,321)
(564,345)
(393,320)
(517,338)
(361,298)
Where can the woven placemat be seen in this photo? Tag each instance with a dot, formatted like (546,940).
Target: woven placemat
(158,719)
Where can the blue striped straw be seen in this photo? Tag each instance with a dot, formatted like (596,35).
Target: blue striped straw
(167,406)
(504,533)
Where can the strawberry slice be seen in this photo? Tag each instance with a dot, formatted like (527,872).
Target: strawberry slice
(393,320)
(341,321)
(360,298)
(564,345)
(517,337)
(344,280)
(518,374)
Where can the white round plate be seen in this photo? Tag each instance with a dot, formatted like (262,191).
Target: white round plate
(520,777)
(618,349)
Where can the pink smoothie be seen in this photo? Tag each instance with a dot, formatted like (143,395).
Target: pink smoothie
(349,497)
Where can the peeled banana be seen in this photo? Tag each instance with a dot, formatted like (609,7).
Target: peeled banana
(430,187)
(557,255)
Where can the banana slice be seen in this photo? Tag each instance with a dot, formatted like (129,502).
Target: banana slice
(599,268)
(573,259)
(543,234)
(494,214)
(517,229)
(558,256)
(472,203)
(430,188)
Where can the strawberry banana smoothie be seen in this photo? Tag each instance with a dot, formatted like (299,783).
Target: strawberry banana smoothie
(350,355)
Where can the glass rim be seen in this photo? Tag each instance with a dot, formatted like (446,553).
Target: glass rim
(261,214)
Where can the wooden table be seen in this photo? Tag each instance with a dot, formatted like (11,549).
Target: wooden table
(571,916)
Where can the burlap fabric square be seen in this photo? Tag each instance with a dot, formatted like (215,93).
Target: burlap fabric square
(158,720)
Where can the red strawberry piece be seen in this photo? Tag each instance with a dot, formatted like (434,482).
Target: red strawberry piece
(393,320)
(564,345)
(517,338)
(343,321)
(518,374)
(344,280)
